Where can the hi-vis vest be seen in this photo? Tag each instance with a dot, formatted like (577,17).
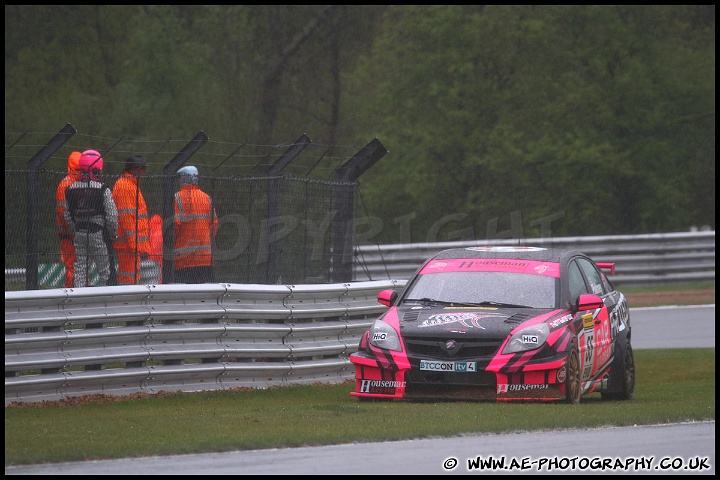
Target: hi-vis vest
(63,229)
(196,225)
(133,220)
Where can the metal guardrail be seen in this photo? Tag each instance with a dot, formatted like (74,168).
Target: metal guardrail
(640,260)
(148,338)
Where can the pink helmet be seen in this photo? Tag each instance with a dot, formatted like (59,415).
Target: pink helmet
(90,160)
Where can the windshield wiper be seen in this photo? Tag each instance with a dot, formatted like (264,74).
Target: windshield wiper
(488,303)
(429,301)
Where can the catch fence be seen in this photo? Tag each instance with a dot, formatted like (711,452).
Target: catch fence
(277,223)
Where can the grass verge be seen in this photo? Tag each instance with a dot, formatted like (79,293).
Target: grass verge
(674,385)
(692,294)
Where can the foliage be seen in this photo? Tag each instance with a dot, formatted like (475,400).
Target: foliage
(571,111)
(501,121)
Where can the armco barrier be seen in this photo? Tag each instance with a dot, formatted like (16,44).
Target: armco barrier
(148,338)
(640,260)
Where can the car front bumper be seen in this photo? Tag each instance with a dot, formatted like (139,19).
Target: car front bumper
(396,378)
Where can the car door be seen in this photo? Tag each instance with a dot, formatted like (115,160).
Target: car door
(584,320)
(600,345)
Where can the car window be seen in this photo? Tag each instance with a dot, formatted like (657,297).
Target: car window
(606,282)
(593,276)
(474,287)
(576,281)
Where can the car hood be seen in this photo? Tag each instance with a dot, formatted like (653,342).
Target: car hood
(463,322)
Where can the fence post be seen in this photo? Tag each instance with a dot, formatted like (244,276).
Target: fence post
(33,229)
(274,182)
(343,238)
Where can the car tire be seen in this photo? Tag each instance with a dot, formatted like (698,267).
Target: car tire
(572,379)
(627,391)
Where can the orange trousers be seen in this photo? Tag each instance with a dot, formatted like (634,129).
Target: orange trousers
(128,271)
(67,256)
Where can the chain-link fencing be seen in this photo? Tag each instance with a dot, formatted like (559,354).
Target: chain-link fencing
(274,227)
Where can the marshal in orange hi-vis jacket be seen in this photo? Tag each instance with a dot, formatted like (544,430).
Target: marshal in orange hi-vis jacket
(196,226)
(67,250)
(133,239)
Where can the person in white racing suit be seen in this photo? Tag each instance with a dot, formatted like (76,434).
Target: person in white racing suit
(93,218)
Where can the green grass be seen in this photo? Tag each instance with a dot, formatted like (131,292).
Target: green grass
(674,385)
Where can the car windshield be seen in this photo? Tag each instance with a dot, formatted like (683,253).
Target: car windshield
(477,288)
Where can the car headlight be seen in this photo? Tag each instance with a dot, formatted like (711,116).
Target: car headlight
(528,338)
(384,336)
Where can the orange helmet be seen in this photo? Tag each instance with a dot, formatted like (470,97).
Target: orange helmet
(74,161)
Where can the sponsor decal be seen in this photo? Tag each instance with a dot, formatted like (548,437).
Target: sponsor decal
(469,320)
(380,386)
(508,387)
(560,321)
(530,267)
(439,366)
(620,316)
(540,269)
(603,346)
(379,336)
(588,320)
(437,265)
(561,375)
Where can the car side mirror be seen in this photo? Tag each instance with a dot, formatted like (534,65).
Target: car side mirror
(588,301)
(387,297)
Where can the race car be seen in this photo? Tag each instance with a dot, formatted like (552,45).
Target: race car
(510,323)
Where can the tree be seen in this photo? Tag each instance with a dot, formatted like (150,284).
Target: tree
(499,119)
(543,112)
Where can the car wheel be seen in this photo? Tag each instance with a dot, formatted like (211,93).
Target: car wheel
(628,377)
(572,380)
(629,380)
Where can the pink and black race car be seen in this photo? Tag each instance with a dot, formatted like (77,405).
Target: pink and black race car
(500,323)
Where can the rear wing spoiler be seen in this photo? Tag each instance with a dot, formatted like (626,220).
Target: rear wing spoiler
(607,266)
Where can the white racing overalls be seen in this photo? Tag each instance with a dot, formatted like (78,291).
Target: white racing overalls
(93,217)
